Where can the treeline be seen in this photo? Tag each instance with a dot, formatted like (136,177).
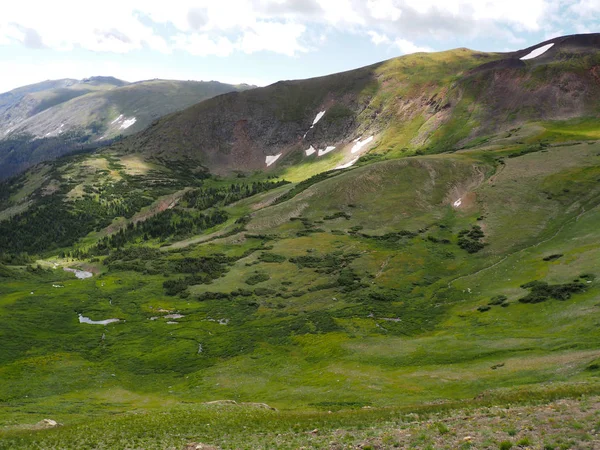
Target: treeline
(53,223)
(15,259)
(207,197)
(167,224)
(17,153)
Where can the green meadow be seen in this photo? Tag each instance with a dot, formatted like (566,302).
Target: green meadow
(347,301)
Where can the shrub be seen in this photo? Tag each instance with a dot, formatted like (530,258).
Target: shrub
(257,278)
(272,258)
(497,300)
(442,428)
(338,215)
(505,445)
(541,291)
(525,442)
(470,240)
(263,292)
(553,257)
(484,308)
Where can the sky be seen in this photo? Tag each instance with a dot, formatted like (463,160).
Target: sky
(261,41)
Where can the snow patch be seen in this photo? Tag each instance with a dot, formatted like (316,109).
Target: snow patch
(81,274)
(348,164)
(219,321)
(537,52)
(127,123)
(56,132)
(360,144)
(319,117)
(271,159)
(457,203)
(174,316)
(310,151)
(117,119)
(324,152)
(83,319)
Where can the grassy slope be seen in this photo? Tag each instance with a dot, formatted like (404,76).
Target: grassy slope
(487,423)
(379,308)
(311,342)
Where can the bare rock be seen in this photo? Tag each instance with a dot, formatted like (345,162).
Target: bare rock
(47,423)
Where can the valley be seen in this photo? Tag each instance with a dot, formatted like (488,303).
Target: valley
(436,270)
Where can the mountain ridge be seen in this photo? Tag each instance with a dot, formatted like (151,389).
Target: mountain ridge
(92,112)
(265,122)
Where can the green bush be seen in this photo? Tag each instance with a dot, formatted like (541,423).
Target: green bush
(497,300)
(540,291)
(524,442)
(272,258)
(257,278)
(553,257)
(338,215)
(471,240)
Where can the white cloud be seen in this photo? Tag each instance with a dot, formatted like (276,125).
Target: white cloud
(113,28)
(585,7)
(377,38)
(384,9)
(275,37)
(221,27)
(407,47)
(203,45)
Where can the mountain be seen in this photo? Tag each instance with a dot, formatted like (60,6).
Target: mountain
(430,102)
(440,263)
(22,103)
(48,119)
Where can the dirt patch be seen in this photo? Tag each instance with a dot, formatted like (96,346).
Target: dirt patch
(466,201)
(461,195)
(52,187)
(168,202)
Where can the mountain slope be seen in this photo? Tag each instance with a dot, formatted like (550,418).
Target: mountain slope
(433,102)
(58,117)
(455,263)
(122,110)
(22,103)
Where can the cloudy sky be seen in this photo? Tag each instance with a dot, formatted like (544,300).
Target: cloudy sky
(261,41)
